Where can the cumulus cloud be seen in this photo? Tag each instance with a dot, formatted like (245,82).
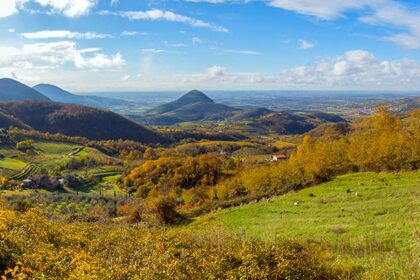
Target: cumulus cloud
(69,8)
(64,34)
(160,15)
(56,54)
(218,75)
(10,7)
(356,68)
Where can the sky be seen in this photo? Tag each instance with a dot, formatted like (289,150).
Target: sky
(136,45)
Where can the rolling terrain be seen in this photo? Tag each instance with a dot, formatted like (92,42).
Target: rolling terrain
(75,120)
(195,107)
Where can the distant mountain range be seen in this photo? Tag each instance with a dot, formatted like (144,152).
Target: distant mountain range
(11,90)
(59,95)
(74,120)
(195,106)
(34,108)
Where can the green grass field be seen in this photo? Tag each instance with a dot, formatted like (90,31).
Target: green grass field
(374,226)
(12,164)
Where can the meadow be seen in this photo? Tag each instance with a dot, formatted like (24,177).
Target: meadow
(369,220)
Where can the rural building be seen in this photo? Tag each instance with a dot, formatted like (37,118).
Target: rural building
(41,182)
(279,157)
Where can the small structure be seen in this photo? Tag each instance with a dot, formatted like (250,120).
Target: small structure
(279,157)
(41,182)
(28,184)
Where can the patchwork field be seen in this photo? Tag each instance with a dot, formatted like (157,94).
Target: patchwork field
(54,156)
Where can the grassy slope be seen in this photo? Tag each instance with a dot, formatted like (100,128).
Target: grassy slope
(13,164)
(377,229)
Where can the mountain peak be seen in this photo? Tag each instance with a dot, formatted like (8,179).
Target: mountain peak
(13,90)
(195,96)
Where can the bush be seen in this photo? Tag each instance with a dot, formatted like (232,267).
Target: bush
(53,250)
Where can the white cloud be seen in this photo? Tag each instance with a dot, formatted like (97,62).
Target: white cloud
(177,45)
(156,14)
(114,2)
(70,8)
(357,68)
(129,33)
(10,7)
(325,10)
(375,12)
(11,30)
(405,19)
(196,41)
(152,51)
(242,52)
(57,54)
(218,76)
(100,61)
(305,45)
(126,78)
(64,34)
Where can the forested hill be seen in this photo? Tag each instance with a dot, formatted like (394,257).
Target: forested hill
(75,120)
(193,106)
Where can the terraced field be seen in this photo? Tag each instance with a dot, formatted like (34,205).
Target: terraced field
(26,172)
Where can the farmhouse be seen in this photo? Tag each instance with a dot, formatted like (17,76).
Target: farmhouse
(279,157)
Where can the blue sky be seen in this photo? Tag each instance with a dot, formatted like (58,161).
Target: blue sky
(105,45)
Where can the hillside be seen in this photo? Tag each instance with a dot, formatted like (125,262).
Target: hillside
(292,123)
(193,106)
(75,120)
(59,95)
(7,121)
(361,216)
(11,90)
(283,123)
(251,114)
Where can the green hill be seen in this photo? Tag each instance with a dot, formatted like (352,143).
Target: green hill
(11,90)
(368,218)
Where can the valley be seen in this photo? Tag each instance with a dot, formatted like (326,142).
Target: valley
(295,184)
